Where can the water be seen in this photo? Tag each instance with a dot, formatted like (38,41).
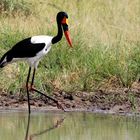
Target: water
(68,126)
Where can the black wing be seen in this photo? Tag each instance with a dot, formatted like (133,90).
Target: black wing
(25,48)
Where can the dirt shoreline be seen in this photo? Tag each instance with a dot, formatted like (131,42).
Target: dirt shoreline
(122,100)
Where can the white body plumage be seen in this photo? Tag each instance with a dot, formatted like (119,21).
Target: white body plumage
(33,61)
(31,50)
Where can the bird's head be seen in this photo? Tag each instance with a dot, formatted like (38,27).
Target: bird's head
(62,17)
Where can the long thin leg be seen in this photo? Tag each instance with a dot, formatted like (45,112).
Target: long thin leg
(32,83)
(28,77)
(34,89)
(45,95)
(58,104)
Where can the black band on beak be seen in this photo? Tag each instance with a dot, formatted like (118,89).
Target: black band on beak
(65,27)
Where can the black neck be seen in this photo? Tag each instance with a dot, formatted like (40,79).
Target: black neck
(59,35)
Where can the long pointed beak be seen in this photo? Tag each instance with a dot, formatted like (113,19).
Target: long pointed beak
(67,35)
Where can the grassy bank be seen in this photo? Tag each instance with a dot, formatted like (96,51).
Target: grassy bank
(105,37)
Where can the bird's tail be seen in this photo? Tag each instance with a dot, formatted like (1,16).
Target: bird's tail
(3,61)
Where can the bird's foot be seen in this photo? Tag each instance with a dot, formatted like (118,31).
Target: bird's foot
(59,106)
(32,88)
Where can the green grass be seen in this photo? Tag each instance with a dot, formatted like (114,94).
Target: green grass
(15,7)
(106,44)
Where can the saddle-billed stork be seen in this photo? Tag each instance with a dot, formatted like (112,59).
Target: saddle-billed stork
(32,49)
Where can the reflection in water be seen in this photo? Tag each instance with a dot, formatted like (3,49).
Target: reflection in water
(77,126)
(27,130)
(31,136)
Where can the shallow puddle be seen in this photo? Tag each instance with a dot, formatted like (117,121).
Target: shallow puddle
(67,126)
